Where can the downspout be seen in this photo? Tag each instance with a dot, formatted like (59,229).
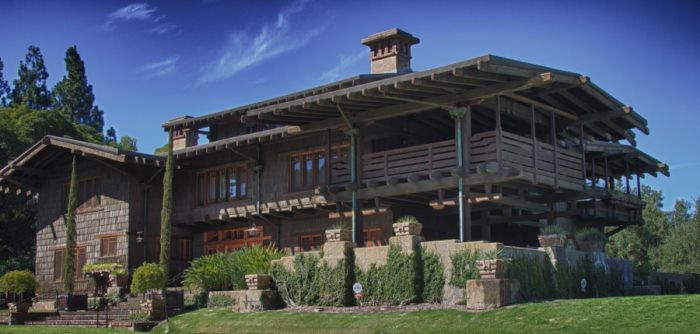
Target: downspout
(352,132)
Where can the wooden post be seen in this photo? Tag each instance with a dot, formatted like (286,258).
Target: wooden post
(607,180)
(329,156)
(534,142)
(593,176)
(499,135)
(639,188)
(555,150)
(627,176)
(583,157)
(357,231)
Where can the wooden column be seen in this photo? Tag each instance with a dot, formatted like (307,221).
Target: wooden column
(329,155)
(499,134)
(593,176)
(357,226)
(583,156)
(607,179)
(627,176)
(555,149)
(533,133)
(639,188)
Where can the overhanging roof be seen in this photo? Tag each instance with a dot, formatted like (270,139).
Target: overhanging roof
(29,168)
(623,159)
(569,95)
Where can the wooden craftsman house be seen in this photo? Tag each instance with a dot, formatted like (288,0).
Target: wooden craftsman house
(485,149)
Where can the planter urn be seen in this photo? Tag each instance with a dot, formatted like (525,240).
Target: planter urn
(407,228)
(338,235)
(492,268)
(552,240)
(258,282)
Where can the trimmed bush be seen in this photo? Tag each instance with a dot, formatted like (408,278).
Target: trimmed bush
(433,278)
(552,229)
(220,300)
(399,282)
(139,316)
(464,268)
(111,267)
(300,286)
(591,234)
(147,276)
(535,275)
(335,283)
(19,282)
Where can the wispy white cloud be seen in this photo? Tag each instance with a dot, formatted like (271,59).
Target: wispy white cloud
(142,12)
(161,68)
(344,63)
(135,11)
(244,50)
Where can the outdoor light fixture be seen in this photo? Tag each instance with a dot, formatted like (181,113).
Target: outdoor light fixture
(253,231)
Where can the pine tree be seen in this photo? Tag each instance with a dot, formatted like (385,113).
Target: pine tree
(165,219)
(69,264)
(4,87)
(30,85)
(73,96)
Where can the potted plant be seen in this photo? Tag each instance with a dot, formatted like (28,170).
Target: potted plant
(491,264)
(552,236)
(339,232)
(115,271)
(19,283)
(591,240)
(407,225)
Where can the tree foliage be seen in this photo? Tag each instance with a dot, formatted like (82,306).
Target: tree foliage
(30,86)
(69,260)
(73,97)
(4,87)
(148,276)
(165,218)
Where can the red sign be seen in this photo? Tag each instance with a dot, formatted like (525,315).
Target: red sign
(358,295)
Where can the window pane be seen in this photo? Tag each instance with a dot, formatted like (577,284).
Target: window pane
(232,183)
(222,185)
(58,265)
(322,172)
(308,171)
(242,177)
(212,187)
(296,172)
(201,188)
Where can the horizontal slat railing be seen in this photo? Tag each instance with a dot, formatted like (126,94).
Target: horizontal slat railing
(409,160)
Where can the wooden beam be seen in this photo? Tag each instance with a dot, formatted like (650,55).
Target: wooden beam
(429,103)
(542,106)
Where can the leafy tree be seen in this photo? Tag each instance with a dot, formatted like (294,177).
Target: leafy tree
(73,96)
(127,143)
(68,265)
(30,85)
(4,87)
(680,250)
(111,136)
(165,219)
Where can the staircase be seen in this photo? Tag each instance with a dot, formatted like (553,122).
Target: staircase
(118,313)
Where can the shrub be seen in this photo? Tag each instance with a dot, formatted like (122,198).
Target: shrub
(407,219)
(373,281)
(300,286)
(341,225)
(220,300)
(535,275)
(590,234)
(113,297)
(433,278)
(112,267)
(599,283)
(139,316)
(196,300)
(224,271)
(402,280)
(464,268)
(18,282)
(335,283)
(493,254)
(552,229)
(97,303)
(147,276)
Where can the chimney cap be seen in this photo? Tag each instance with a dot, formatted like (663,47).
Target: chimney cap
(398,33)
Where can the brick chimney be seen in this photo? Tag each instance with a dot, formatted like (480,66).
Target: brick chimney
(184,138)
(390,51)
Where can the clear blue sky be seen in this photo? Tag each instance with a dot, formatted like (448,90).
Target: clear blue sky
(152,61)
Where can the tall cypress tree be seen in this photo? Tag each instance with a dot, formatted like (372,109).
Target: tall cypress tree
(30,85)
(73,96)
(165,219)
(4,87)
(69,261)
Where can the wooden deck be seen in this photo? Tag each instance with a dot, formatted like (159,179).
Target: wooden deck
(545,165)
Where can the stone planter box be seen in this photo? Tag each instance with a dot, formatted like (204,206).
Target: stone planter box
(338,235)
(407,228)
(492,268)
(552,240)
(19,307)
(258,282)
(591,245)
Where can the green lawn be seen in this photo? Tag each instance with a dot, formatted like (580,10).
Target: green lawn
(652,314)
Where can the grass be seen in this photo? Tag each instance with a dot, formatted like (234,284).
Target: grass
(648,314)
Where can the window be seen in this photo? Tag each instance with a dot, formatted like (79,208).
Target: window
(78,262)
(108,246)
(308,170)
(232,239)
(180,248)
(373,237)
(309,242)
(222,184)
(88,194)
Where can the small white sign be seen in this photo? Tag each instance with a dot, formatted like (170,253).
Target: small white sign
(357,288)
(584,283)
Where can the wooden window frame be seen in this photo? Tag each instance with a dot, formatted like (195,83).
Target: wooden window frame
(113,251)
(314,154)
(369,242)
(313,245)
(221,172)
(77,264)
(221,244)
(95,199)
